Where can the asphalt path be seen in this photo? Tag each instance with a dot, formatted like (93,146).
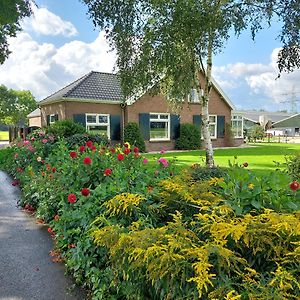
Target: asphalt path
(26,268)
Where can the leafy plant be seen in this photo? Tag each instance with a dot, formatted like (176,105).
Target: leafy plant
(81,138)
(65,128)
(133,135)
(292,163)
(189,137)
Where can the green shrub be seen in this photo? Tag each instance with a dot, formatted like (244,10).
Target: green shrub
(203,173)
(65,128)
(133,135)
(189,137)
(293,166)
(81,139)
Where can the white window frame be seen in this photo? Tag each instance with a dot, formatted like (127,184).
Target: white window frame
(162,121)
(237,118)
(194,96)
(213,124)
(97,123)
(52,119)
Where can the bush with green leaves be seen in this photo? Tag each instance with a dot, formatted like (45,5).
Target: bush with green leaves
(133,135)
(81,138)
(292,163)
(204,173)
(256,132)
(189,137)
(65,128)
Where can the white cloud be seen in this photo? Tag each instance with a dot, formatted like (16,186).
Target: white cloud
(43,68)
(258,83)
(45,22)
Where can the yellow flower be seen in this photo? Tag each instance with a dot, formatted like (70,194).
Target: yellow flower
(250,186)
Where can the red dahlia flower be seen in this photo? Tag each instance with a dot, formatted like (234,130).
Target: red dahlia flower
(89,144)
(294,186)
(120,157)
(85,192)
(93,148)
(82,149)
(87,161)
(126,145)
(113,150)
(53,170)
(136,150)
(72,198)
(126,151)
(73,154)
(107,172)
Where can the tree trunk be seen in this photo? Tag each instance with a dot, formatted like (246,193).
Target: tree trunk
(204,103)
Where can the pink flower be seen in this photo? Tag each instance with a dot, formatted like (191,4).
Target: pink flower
(15,183)
(163,161)
(145,161)
(162,151)
(16,155)
(44,141)
(72,198)
(87,161)
(26,142)
(33,139)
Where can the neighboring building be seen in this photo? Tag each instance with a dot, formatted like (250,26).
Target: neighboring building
(262,118)
(96,101)
(35,119)
(289,126)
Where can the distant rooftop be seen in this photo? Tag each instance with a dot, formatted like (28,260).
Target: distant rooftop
(35,113)
(92,86)
(255,116)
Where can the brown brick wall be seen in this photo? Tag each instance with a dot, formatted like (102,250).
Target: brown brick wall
(36,121)
(54,108)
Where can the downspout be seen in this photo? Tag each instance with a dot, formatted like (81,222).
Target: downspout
(123,107)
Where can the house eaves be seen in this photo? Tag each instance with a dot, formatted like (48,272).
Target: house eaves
(277,124)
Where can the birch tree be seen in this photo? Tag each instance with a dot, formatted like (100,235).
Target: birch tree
(168,44)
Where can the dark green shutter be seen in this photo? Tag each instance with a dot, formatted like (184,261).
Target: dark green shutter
(197,120)
(56,117)
(115,128)
(220,126)
(175,126)
(144,123)
(48,119)
(80,119)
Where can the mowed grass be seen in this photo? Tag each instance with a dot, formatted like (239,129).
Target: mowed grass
(261,157)
(4,136)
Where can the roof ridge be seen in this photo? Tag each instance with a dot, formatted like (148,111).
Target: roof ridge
(77,80)
(83,78)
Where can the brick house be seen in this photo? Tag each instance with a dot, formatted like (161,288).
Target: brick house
(96,101)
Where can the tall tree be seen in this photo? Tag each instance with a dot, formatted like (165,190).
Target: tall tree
(169,44)
(15,106)
(11,13)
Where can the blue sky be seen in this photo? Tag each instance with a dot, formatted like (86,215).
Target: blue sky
(60,44)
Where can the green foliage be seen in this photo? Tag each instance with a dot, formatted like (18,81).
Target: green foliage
(15,106)
(255,133)
(140,234)
(244,191)
(65,128)
(292,163)
(80,139)
(189,137)
(11,14)
(133,135)
(204,173)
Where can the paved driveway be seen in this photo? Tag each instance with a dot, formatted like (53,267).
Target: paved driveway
(26,269)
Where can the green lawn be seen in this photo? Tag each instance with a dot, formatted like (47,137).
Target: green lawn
(260,157)
(3,135)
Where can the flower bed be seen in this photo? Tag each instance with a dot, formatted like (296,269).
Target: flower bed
(127,232)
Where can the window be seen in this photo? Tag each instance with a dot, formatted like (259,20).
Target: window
(52,119)
(237,126)
(213,126)
(159,127)
(98,123)
(194,96)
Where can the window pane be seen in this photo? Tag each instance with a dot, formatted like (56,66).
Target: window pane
(158,130)
(212,130)
(52,118)
(212,119)
(103,119)
(91,119)
(153,116)
(164,117)
(101,130)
